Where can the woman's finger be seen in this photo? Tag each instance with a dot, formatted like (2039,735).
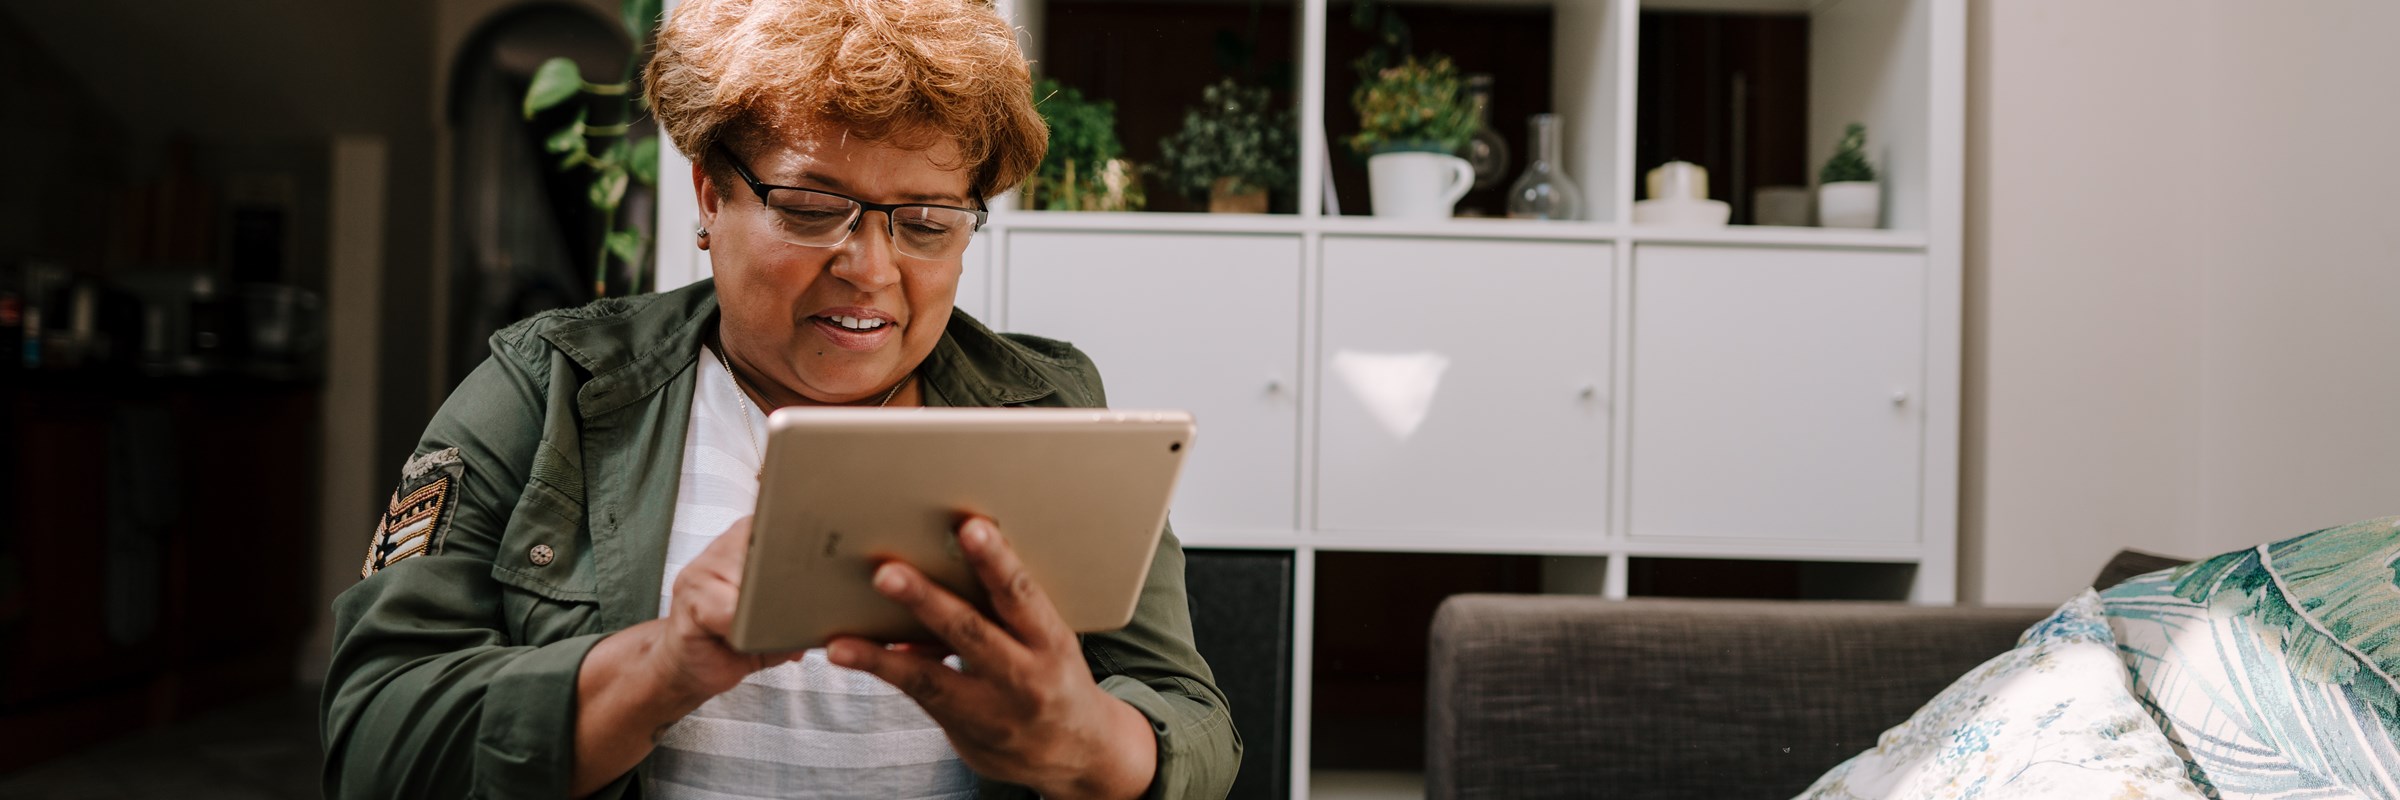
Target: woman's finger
(940,690)
(725,555)
(713,603)
(958,624)
(1016,597)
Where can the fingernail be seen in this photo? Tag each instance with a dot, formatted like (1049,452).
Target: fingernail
(888,580)
(976,533)
(842,653)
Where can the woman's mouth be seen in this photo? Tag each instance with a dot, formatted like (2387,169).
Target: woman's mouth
(856,323)
(850,332)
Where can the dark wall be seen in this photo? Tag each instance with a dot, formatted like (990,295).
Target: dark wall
(147,123)
(63,154)
(280,73)
(1728,92)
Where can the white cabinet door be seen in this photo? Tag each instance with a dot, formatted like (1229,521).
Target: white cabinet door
(1776,394)
(1206,323)
(1464,386)
(975,279)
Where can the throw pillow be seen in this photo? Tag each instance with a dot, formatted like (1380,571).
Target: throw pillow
(2129,563)
(2271,667)
(2051,718)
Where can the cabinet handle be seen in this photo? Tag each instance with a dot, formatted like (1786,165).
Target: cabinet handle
(1590,393)
(1274,386)
(1899,399)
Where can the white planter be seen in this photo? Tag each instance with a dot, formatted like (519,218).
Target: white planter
(1417,185)
(1850,204)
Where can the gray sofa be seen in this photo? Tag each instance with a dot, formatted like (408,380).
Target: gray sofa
(1533,696)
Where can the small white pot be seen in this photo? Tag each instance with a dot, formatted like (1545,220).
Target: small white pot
(1850,204)
(1417,185)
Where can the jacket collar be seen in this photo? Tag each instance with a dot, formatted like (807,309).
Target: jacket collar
(633,346)
(976,368)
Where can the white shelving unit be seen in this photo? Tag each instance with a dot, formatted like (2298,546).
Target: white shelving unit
(1593,391)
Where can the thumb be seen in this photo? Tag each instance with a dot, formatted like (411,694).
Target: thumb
(734,543)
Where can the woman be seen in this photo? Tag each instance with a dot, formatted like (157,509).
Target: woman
(544,609)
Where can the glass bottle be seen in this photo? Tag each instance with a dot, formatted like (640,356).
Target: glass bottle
(1544,192)
(1488,151)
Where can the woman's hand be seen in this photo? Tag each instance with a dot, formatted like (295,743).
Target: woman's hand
(639,680)
(1024,709)
(693,657)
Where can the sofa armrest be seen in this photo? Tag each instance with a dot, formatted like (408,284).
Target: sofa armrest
(1546,696)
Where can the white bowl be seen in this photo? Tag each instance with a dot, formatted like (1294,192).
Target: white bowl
(1682,212)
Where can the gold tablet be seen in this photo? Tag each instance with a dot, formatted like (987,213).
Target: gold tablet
(1081,494)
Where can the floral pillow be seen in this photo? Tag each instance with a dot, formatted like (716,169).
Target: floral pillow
(2050,719)
(2271,668)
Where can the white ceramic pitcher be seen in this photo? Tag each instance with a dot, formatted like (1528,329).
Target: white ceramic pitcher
(1417,185)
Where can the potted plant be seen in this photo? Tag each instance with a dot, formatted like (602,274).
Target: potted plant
(1233,149)
(1412,116)
(1847,194)
(1083,170)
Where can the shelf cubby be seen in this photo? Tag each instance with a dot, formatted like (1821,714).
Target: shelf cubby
(1152,58)
(1759,92)
(1372,614)
(1757,579)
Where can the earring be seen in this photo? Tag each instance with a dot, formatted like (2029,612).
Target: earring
(703,238)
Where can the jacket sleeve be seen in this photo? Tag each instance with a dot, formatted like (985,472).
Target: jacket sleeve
(426,695)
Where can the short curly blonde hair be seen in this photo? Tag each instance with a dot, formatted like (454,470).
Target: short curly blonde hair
(903,72)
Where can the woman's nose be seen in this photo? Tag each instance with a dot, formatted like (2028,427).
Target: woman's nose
(867,259)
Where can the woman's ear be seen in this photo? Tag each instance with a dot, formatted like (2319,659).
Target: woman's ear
(704,189)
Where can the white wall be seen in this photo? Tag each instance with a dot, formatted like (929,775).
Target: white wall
(2302,419)
(2175,256)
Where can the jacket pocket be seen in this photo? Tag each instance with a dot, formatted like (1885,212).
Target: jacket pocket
(545,567)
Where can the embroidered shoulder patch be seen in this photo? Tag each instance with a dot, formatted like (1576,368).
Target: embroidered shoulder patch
(418,517)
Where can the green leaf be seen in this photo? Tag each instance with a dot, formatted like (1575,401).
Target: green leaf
(1849,162)
(641,19)
(608,188)
(556,80)
(644,161)
(626,245)
(1083,131)
(568,139)
(1235,133)
(1413,105)
(614,156)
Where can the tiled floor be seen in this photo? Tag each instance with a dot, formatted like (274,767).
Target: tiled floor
(260,750)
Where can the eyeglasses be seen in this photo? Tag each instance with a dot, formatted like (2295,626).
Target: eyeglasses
(818,218)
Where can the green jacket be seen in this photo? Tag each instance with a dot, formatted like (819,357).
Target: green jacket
(534,521)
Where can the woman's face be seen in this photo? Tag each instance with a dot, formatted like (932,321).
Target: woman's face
(781,301)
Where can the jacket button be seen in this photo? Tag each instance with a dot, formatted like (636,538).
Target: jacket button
(542,555)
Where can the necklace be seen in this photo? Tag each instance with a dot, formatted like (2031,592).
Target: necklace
(742,398)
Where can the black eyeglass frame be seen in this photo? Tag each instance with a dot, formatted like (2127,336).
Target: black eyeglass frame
(982,215)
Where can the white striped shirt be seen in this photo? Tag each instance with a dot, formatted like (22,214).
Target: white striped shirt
(807,729)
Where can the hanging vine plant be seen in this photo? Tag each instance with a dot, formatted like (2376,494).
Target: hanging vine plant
(616,159)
